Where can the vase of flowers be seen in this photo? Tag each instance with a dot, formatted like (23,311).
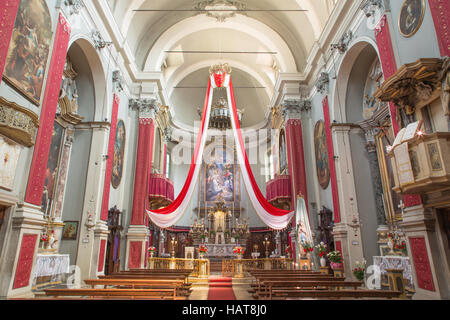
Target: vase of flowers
(360,270)
(288,252)
(335,259)
(401,247)
(44,240)
(321,252)
(151,251)
(202,251)
(239,252)
(308,248)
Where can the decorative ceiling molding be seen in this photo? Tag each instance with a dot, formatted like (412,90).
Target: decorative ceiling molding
(214,8)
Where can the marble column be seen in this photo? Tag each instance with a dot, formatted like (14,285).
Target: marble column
(351,242)
(92,228)
(138,231)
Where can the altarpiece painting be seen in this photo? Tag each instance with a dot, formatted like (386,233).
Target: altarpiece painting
(321,150)
(119,149)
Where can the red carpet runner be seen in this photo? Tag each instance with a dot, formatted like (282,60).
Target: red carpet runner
(221,289)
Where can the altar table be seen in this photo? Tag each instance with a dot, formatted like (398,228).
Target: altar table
(220,250)
(395,262)
(51,267)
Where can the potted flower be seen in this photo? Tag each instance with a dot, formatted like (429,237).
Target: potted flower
(307,248)
(322,251)
(335,259)
(360,270)
(202,251)
(239,251)
(288,251)
(401,247)
(44,240)
(151,251)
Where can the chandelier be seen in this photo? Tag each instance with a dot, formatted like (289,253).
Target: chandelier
(220,117)
(220,9)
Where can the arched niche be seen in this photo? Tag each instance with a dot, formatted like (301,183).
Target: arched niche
(354,82)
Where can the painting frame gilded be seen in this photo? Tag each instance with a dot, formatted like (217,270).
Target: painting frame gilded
(29,50)
(119,154)
(413,11)
(321,155)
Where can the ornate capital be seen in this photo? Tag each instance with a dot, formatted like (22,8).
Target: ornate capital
(371,6)
(99,42)
(343,43)
(293,107)
(74,5)
(117,80)
(323,82)
(147,108)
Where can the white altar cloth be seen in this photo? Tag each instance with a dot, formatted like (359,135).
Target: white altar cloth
(51,265)
(395,262)
(220,250)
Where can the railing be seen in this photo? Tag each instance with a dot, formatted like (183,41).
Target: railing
(199,267)
(239,267)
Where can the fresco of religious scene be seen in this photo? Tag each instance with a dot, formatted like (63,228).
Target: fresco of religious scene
(119,147)
(282,151)
(29,49)
(219,179)
(52,168)
(321,150)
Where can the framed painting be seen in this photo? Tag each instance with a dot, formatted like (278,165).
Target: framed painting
(119,149)
(411,17)
(220,176)
(29,49)
(282,152)
(70,230)
(321,152)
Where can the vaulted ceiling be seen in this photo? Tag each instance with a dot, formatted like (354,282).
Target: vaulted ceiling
(272,36)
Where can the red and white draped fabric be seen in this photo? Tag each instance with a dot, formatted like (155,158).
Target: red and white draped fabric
(273,217)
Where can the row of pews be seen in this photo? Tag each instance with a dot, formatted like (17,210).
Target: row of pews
(284,284)
(164,284)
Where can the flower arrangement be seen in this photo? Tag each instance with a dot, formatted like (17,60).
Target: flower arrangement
(360,270)
(44,238)
(238,250)
(151,249)
(203,249)
(322,249)
(401,246)
(335,256)
(307,247)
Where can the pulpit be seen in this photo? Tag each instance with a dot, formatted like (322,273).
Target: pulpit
(279,191)
(161,191)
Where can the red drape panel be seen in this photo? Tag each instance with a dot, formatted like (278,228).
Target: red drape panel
(36,178)
(333,178)
(421,262)
(440,10)
(109,163)
(143,170)
(8,12)
(387,57)
(101,255)
(25,262)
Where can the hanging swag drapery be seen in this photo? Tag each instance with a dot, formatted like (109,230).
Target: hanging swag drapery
(273,217)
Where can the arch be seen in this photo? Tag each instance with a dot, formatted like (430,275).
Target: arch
(268,37)
(345,68)
(102,100)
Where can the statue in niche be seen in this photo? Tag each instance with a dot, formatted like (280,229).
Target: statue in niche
(68,96)
(373,82)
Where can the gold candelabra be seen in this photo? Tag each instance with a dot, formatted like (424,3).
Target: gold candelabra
(266,243)
(174,242)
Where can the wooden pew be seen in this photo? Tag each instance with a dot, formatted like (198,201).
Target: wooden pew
(141,284)
(317,277)
(294,293)
(270,285)
(158,294)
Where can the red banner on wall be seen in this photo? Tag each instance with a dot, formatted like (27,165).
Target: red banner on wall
(142,173)
(387,57)
(36,177)
(440,12)
(101,255)
(421,262)
(109,163)
(25,261)
(8,12)
(135,254)
(333,178)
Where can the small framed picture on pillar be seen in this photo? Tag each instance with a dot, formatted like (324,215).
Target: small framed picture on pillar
(70,230)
